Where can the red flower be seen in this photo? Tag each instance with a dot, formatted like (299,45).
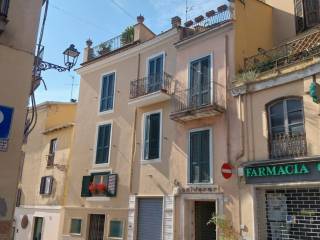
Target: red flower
(101,187)
(93,187)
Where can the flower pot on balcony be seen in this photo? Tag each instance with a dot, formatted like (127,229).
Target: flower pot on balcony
(188,23)
(101,187)
(93,188)
(210,13)
(199,19)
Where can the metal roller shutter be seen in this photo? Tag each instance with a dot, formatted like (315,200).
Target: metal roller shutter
(150,219)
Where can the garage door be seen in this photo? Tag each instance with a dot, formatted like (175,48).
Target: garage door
(150,218)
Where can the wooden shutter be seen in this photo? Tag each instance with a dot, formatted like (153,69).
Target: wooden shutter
(112,184)
(107,92)
(86,180)
(146,137)
(51,184)
(311,12)
(299,12)
(42,185)
(204,157)
(103,144)
(154,136)
(195,144)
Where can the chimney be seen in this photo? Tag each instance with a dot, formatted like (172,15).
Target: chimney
(88,51)
(140,19)
(176,22)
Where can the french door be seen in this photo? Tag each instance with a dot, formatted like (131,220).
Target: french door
(96,227)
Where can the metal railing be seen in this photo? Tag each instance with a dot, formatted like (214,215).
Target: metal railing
(4,7)
(150,84)
(288,145)
(292,52)
(111,45)
(205,23)
(193,98)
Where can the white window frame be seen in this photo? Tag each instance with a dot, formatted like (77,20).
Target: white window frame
(210,156)
(101,165)
(143,160)
(75,234)
(122,226)
(114,92)
(163,53)
(210,55)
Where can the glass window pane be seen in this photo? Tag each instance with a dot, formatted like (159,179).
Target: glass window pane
(277,120)
(294,104)
(295,117)
(75,227)
(277,109)
(298,128)
(116,229)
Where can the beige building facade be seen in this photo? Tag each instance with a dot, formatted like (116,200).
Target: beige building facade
(19,22)
(42,187)
(155,123)
(278,96)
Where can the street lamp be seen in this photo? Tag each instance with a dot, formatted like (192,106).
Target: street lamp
(71,55)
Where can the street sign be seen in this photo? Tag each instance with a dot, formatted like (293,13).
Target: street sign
(6,114)
(226,170)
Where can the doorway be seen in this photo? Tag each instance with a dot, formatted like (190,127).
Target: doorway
(96,226)
(203,211)
(37,229)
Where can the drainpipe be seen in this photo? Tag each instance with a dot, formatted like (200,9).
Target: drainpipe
(133,149)
(227,97)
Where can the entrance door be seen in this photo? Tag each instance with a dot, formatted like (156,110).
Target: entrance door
(37,230)
(96,227)
(203,213)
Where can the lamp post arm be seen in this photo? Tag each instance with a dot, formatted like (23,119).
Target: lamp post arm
(43,66)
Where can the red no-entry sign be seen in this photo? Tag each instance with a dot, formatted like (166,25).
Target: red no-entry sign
(226,170)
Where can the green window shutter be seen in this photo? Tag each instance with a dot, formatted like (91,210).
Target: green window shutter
(103,144)
(107,92)
(205,157)
(112,185)
(42,185)
(194,157)
(152,136)
(146,137)
(86,180)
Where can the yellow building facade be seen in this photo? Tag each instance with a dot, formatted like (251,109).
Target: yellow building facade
(42,187)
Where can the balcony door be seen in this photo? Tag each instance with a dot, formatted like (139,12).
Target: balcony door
(307,14)
(155,73)
(96,227)
(37,229)
(199,82)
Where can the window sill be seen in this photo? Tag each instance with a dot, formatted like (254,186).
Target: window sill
(105,112)
(100,165)
(151,161)
(97,199)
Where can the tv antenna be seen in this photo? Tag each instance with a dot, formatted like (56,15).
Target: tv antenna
(188,9)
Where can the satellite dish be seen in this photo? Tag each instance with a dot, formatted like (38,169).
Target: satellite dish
(1,117)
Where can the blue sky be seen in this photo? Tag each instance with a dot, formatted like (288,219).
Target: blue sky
(74,21)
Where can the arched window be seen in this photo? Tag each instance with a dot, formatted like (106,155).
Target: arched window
(286,128)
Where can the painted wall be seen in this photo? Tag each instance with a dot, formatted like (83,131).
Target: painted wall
(51,222)
(17,45)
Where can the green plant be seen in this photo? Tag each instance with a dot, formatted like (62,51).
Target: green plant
(247,76)
(127,35)
(104,48)
(226,230)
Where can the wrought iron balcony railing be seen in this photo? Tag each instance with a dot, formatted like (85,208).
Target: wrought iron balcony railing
(4,7)
(288,145)
(211,20)
(302,48)
(194,98)
(111,45)
(150,84)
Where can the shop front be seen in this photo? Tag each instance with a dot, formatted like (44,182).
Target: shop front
(287,198)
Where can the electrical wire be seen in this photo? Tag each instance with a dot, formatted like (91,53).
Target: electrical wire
(122,9)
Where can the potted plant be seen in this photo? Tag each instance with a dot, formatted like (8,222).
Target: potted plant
(104,48)
(93,188)
(101,187)
(226,230)
(127,36)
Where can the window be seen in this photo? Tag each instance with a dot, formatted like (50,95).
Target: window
(46,185)
(199,82)
(103,144)
(52,151)
(286,129)
(199,165)
(307,14)
(75,226)
(116,229)
(155,73)
(4,7)
(107,92)
(152,136)
(99,184)
(286,116)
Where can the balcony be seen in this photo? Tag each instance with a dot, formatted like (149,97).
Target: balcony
(150,90)
(306,46)
(288,145)
(211,20)
(192,104)
(121,41)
